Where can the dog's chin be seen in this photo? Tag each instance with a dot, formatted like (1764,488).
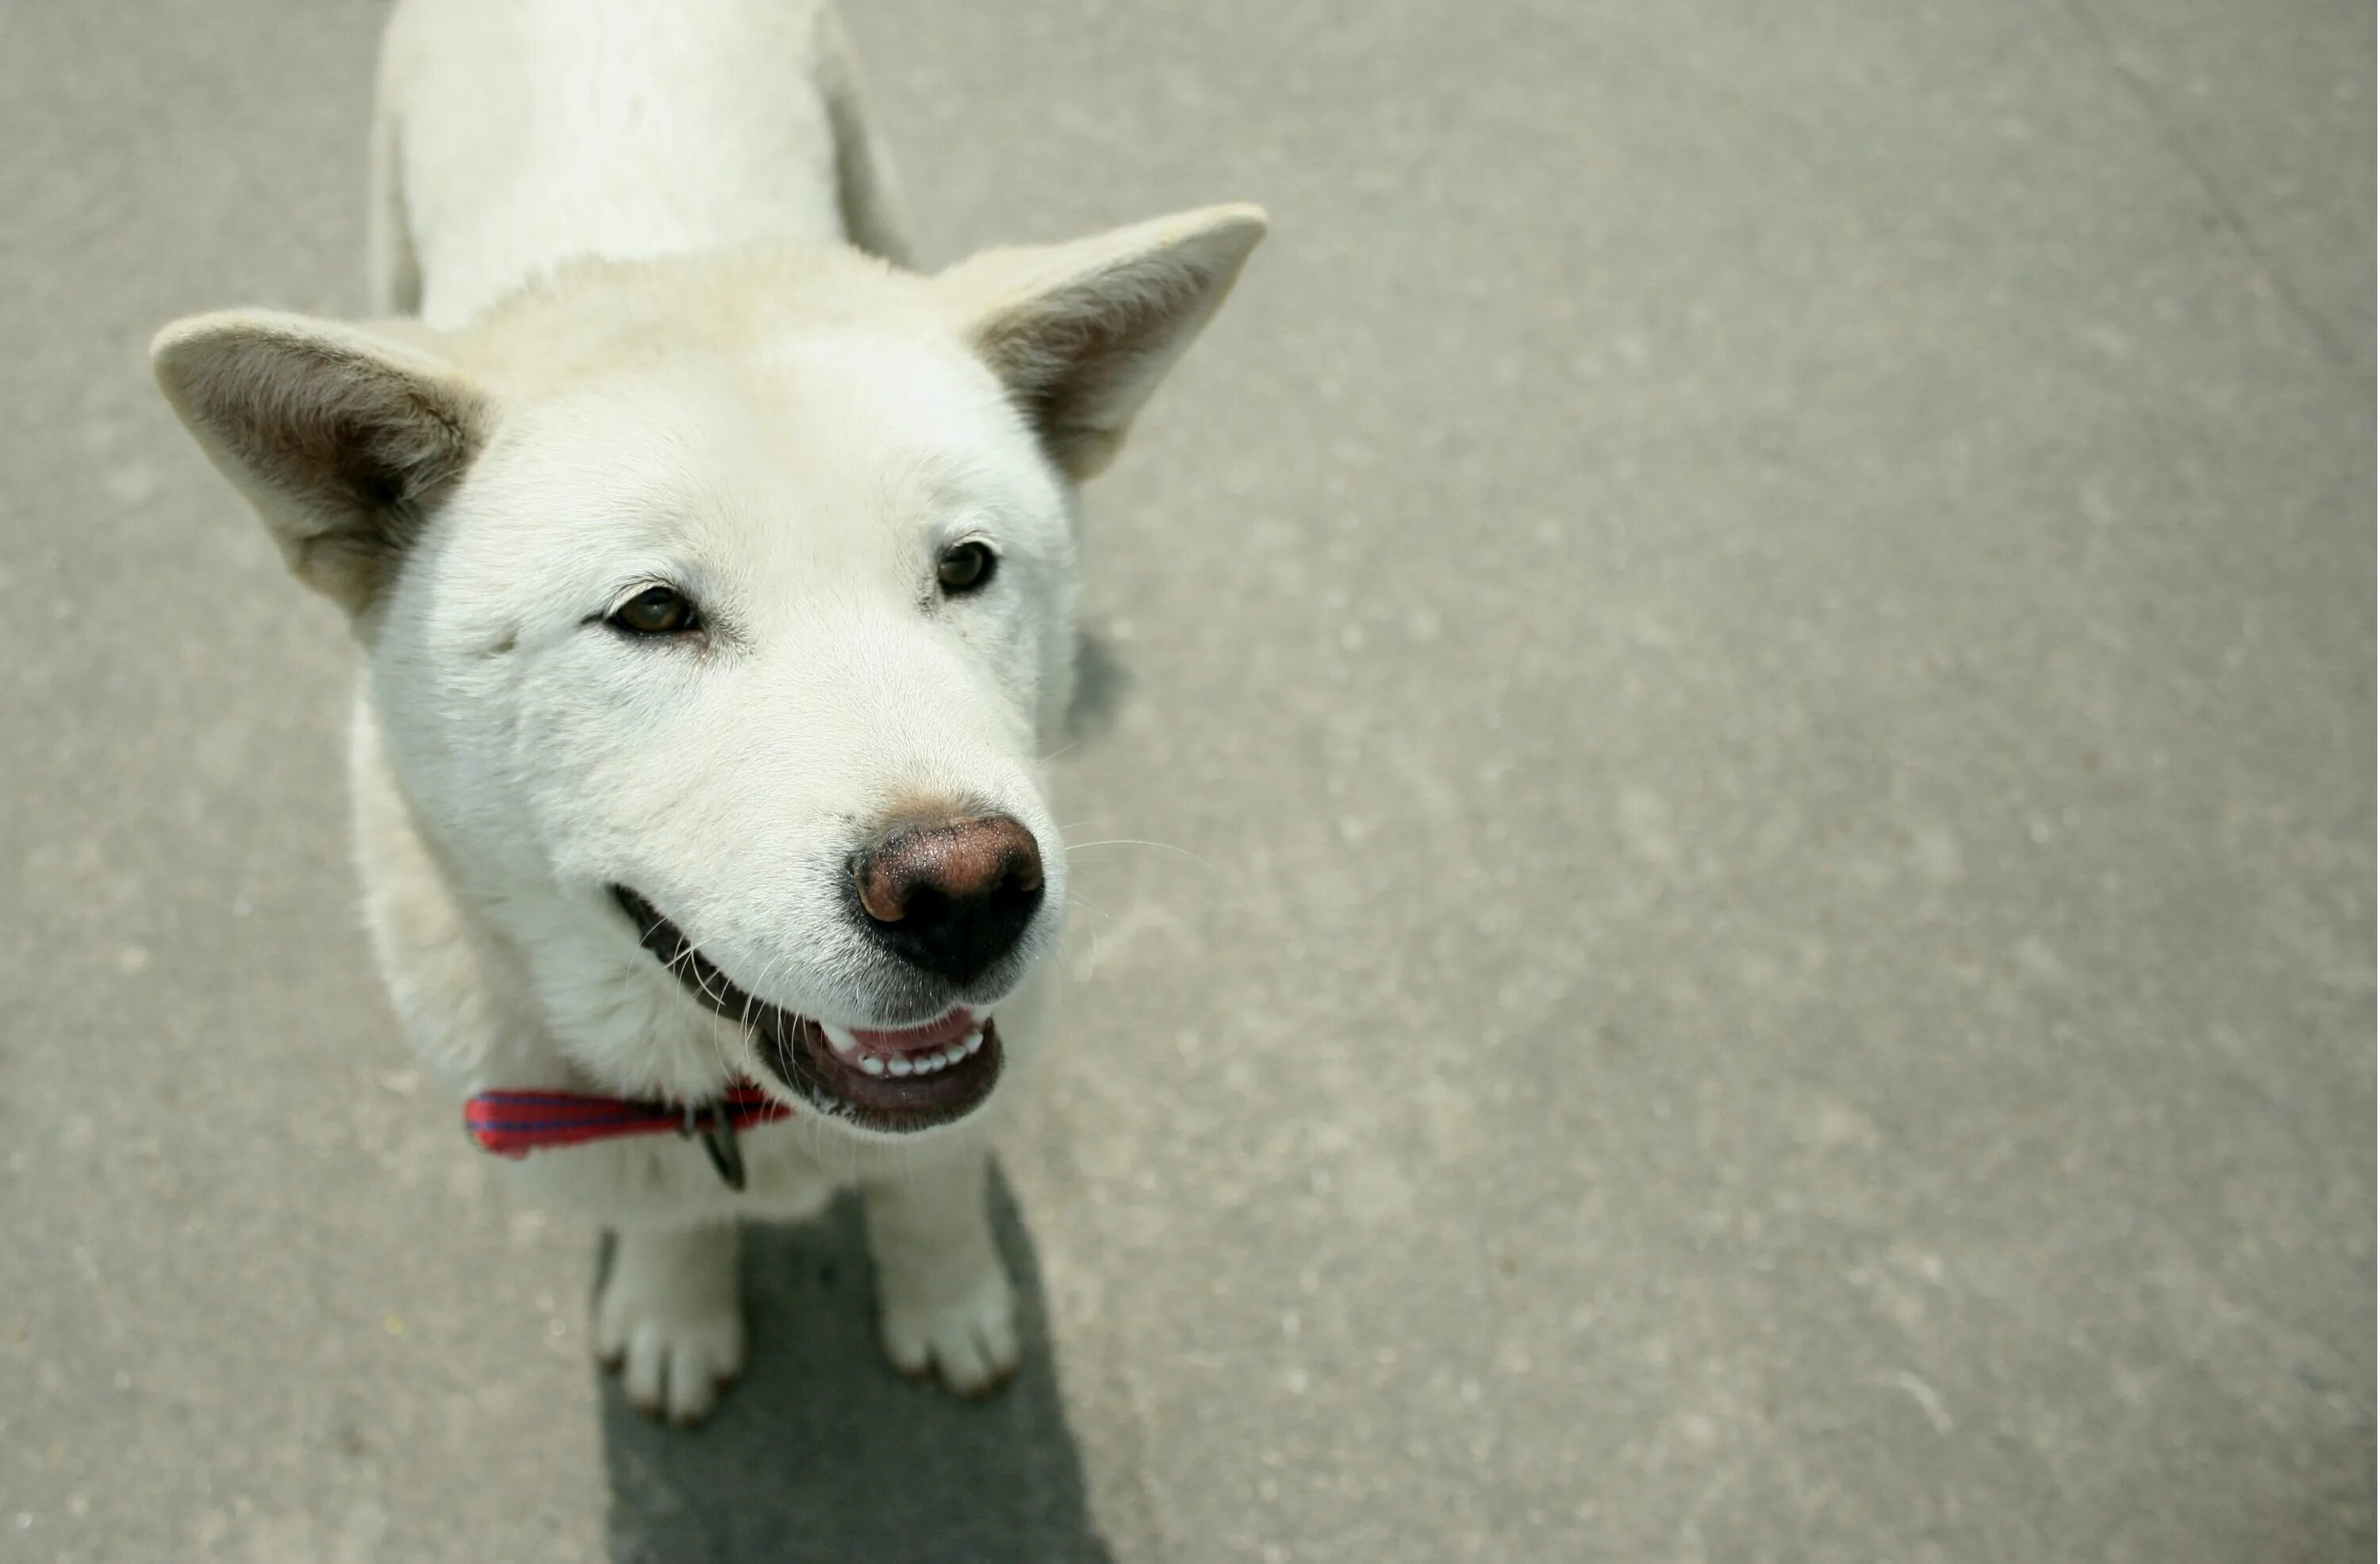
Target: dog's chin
(895,1082)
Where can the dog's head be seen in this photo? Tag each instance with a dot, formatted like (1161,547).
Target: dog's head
(716,611)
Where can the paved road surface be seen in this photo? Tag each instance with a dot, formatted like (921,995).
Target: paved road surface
(1752,640)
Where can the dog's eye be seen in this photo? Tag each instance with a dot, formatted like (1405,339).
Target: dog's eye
(656,611)
(966,566)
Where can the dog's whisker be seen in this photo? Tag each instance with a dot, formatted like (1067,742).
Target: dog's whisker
(1129,841)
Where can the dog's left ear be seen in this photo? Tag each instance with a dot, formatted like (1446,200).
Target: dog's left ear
(344,438)
(1081,333)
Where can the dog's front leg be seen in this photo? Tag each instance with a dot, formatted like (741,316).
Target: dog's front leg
(670,1318)
(945,1304)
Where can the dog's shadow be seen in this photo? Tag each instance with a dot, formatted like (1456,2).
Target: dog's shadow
(824,1452)
(1101,680)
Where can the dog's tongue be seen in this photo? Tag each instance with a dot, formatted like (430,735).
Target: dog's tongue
(911,1039)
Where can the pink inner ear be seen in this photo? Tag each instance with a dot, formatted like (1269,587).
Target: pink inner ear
(341,450)
(1081,355)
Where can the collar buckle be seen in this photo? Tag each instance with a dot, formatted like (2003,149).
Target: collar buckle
(714,1124)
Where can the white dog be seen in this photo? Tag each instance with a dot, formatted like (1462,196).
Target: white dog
(715,582)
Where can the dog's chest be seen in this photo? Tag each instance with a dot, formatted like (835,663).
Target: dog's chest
(665,1179)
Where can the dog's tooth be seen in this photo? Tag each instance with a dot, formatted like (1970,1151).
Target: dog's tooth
(900,1065)
(954,1054)
(871,1064)
(842,1042)
(975,1040)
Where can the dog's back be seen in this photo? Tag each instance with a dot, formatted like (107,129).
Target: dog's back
(513,135)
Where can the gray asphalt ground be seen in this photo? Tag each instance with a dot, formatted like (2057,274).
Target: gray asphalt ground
(1753,642)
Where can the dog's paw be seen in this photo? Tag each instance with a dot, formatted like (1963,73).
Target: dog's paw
(970,1342)
(676,1337)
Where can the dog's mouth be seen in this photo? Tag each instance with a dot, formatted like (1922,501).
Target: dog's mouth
(895,1080)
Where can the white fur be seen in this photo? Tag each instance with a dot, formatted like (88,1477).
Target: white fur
(647,353)
(512,134)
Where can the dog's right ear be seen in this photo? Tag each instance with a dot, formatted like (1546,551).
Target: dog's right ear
(342,438)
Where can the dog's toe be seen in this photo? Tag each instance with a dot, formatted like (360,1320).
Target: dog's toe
(676,1369)
(970,1343)
(675,1344)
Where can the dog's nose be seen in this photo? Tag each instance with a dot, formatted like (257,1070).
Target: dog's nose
(951,897)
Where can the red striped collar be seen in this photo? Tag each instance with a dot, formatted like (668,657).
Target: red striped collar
(512,1124)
